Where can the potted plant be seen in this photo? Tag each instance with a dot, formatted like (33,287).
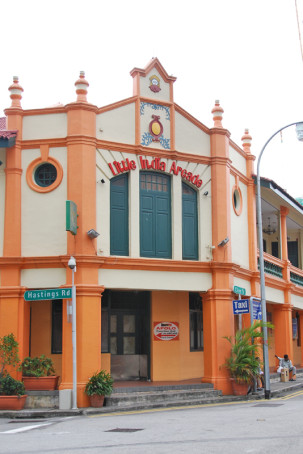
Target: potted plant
(98,386)
(12,391)
(38,373)
(243,363)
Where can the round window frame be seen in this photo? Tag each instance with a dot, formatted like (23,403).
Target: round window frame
(32,168)
(237,194)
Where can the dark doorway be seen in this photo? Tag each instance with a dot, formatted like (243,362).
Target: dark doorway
(128,333)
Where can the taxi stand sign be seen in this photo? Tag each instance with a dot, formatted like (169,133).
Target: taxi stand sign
(246,306)
(241,306)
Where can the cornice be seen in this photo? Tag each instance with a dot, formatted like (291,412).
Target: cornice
(155,265)
(117,104)
(81,106)
(81,139)
(13,170)
(12,292)
(227,267)
(14,111)
(44,111)
(154,101)
(89,290)
(220,131)
(36,143)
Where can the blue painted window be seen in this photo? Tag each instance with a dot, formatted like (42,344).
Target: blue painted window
(119,215)
(155,215)
(189,223)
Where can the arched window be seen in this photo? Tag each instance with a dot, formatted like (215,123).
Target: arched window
(119,215)
(155,215)
(189,223)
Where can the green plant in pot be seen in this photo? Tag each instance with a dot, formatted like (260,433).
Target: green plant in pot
(12,391)
(38,373)
(243,363)
(98,386)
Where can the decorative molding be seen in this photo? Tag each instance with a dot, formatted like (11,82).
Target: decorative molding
(155,107)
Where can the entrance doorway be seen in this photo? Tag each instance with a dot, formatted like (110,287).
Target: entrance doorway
(128,333)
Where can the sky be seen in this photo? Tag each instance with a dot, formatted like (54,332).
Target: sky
(246,53)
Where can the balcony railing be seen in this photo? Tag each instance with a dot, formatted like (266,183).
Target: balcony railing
(296,276)
(274,266)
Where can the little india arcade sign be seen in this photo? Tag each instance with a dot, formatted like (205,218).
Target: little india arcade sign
(155,164)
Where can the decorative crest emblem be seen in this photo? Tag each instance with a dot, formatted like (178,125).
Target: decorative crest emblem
(154,83)
(156,128)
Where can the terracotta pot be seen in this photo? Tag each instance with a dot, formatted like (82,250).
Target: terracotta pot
(12,402)
(40,383)
(239,388)
(96,401)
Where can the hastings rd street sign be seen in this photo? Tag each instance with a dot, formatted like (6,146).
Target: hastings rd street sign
(48,294)
(241,306)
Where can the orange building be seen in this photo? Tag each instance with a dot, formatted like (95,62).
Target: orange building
(166,232)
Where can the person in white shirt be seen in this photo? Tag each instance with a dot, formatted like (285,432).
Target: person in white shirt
(286,362)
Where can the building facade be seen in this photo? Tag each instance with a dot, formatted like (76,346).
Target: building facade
(173,202)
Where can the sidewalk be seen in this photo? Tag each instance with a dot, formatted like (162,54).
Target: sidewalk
(277,389)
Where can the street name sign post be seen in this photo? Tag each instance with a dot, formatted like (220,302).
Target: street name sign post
(48,294)
(239,290)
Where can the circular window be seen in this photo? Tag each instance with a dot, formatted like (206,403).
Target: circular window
(237,201)
(45,175)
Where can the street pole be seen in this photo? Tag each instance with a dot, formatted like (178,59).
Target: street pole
(72,265)
(262,273)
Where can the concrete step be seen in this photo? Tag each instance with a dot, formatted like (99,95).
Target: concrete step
(162,396)
(42,399)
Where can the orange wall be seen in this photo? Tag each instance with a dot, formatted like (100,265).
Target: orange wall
(41,335)
(172,360)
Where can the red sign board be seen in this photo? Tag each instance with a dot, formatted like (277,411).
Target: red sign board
(166,331)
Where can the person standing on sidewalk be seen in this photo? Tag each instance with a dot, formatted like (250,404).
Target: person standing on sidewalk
(286,362)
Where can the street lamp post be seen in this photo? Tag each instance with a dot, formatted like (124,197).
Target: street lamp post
(261,255)
(72,266)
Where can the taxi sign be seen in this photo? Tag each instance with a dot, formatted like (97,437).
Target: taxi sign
(241,306)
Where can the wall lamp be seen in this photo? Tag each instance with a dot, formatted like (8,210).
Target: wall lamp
(92,233)
(205,193)
(223,242)
(102,181)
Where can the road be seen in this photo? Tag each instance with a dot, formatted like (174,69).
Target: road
(273,426)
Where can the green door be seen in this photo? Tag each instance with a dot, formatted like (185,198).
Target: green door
(119,215)
(189,223)
(155,215)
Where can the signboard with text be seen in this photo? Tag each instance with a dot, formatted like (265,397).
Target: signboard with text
(48,294)
(239,290)
(166,331)
(241,306)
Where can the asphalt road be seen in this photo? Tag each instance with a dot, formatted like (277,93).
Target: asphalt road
(274,426)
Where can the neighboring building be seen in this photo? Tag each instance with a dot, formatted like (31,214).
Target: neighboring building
(173,202)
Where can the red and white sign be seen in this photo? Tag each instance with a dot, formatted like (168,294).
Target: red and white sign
(155,164)
(166,331)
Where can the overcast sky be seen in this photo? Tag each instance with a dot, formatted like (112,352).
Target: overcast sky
(246,53)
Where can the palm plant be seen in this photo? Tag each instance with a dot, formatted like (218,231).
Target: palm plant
(243,364)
